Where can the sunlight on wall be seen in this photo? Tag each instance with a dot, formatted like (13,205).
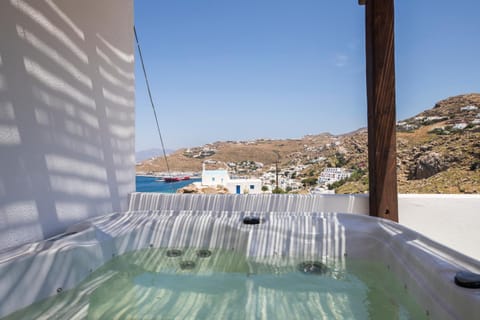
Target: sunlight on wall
(67,114)
(54,55)
(60,164)
(125,57)
(56,83)
(120,71)
(66,18)
(9,135)
(117,99)
(44,22)
(76,186)
(20,217)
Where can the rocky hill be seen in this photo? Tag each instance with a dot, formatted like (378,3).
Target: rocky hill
(263,151)
(438,152)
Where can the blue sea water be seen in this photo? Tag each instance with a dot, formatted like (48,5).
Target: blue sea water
(149,184)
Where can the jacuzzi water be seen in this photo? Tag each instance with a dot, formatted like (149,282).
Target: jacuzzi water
(118,267)
(157,283)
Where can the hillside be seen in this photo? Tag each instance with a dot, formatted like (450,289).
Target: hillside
(438,151)
(264,151)
(150,153)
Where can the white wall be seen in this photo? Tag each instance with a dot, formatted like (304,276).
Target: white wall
(66,114)
(453,220)
(245,186)
(215,177)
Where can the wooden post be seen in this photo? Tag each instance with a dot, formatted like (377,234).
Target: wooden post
(381,108)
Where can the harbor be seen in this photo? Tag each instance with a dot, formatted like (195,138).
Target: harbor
(157,184)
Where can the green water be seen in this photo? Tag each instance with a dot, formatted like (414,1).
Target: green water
(148,284)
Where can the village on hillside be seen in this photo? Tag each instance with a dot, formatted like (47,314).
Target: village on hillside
(438,145)
(297,173)
(256,179)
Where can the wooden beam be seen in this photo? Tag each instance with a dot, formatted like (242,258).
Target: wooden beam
(381,109)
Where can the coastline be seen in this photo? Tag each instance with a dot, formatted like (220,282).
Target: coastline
(175,173)
(151,183)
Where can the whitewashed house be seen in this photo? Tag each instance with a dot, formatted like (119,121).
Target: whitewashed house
(469,108)
(221,177)
(215,177)
(331,175)
(459,126)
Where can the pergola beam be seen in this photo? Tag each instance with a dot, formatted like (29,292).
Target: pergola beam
(381,108)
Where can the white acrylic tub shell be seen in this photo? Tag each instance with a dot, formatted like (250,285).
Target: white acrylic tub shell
(427,269)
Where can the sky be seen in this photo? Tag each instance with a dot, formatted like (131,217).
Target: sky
(246,69)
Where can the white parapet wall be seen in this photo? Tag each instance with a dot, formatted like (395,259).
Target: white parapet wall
(250,202)
(452,220)
(66,114)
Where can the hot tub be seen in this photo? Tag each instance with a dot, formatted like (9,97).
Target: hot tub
(321,265)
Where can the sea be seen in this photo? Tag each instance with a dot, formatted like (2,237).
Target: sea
(150,184)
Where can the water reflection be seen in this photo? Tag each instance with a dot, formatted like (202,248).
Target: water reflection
(252,271)
(148,284)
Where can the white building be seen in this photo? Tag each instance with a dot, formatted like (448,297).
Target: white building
(321,190)
(435,118)
(331,175)
(460,126)
(214,178)
(469,108)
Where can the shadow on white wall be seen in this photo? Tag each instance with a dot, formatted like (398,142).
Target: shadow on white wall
(66,114)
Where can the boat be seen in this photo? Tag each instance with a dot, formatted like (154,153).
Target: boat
(176,178)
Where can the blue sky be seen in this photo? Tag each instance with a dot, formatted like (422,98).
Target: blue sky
(240,70)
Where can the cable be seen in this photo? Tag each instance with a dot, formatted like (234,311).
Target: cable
(151,100)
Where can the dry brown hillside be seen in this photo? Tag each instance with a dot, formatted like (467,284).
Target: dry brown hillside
(265,151)
(438,152)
